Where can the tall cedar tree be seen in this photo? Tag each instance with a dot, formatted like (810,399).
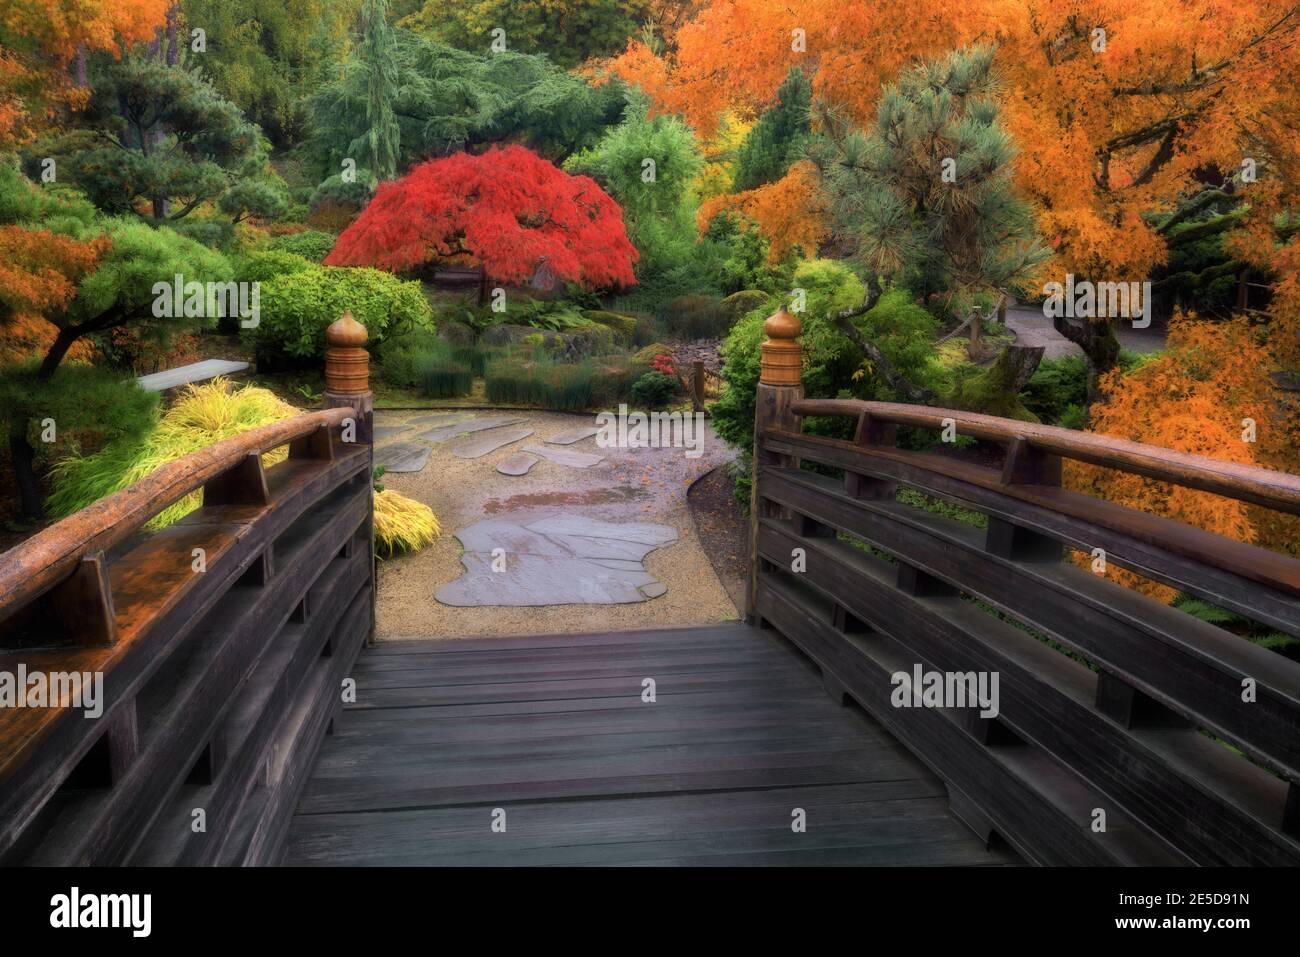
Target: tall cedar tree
(508,211)
(382,139)
(778,138)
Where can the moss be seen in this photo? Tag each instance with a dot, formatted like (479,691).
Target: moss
(623,327)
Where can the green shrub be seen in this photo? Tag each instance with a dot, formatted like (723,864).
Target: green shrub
(399,355)
(355,195)
(654,390)
(746,301)
(593,340)
(265,265)
(832,362)
(1055,386)
(698,317)
(540,380)
(443,378)
(88,406)
(297,307)
(624,327)
(313,244)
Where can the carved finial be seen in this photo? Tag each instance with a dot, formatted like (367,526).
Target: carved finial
(345,333)
(782,356)
(347,364)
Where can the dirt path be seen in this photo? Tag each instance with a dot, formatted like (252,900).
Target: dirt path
(629,486)
(1032,328)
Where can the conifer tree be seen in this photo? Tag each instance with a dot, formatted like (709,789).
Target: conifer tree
(926,196)
(778,138)
(379,60)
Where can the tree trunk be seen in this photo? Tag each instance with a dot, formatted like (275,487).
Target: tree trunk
(1096,337)
(23,457)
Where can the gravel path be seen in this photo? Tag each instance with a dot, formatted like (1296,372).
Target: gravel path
(1032,328)
(631,485)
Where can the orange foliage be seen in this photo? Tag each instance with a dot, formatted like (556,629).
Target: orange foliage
(39,273)
(790,212)
(1104,134)
(1193,399)
(35,84)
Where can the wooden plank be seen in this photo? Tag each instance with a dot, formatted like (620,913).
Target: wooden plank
(1036,804)
(1215,806)
(38,747)
(1187,665)
(1252,581)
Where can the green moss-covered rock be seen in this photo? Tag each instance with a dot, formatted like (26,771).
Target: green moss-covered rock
(623,327)
(746,301)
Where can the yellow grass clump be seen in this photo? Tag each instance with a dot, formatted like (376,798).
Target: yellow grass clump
(403,524)
(203,415)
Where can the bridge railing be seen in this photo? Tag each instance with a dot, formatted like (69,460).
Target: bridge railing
(189,673)
(1126,731)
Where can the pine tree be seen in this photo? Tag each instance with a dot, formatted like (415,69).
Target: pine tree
(778,138)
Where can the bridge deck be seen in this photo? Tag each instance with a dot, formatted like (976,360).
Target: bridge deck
(553,730)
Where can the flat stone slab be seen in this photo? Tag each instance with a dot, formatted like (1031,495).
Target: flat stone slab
(569,436)
(444,432)
(574,460)
(384,431)
(194,372)
(517,464)
(402,456)
(438,418)
(560,560)
(481,443)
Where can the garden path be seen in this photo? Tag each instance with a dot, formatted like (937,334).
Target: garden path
(595,501)
(1032,328)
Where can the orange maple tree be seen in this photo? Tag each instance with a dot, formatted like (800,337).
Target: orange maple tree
(35,81)
(790,212)
(1110,125)
(1204,396)
(39,273)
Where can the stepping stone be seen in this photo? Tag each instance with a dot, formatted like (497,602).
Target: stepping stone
(481,443)
(574,460)
(402,456)
(517,464)
(185,375)
(569,436)
(444,432)
(440,418)
(384,431)
(560,560)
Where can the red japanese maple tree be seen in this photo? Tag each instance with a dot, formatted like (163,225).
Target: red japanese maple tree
(508,210)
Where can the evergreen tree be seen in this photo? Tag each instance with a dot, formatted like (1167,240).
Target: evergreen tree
(926,196)
(379,62)
(779,136)
(161,134)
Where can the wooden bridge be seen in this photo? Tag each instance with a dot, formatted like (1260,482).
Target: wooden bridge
(236,713)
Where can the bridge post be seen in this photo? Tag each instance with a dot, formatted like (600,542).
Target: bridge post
(347,385)
(779,387)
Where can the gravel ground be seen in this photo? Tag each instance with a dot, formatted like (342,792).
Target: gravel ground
(631,485)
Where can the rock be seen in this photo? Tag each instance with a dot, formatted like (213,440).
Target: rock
(440,418)
(481,443)
(402,456)
(559,560)
(443,432)
(574,460)
(456,333)
(569,436)
(517,464)
(384,431)
(510,334)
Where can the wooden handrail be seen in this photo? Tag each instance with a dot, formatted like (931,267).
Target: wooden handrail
(1247,483)
(48,557)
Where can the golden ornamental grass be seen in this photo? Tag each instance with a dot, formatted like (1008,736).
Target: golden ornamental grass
(403,524)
